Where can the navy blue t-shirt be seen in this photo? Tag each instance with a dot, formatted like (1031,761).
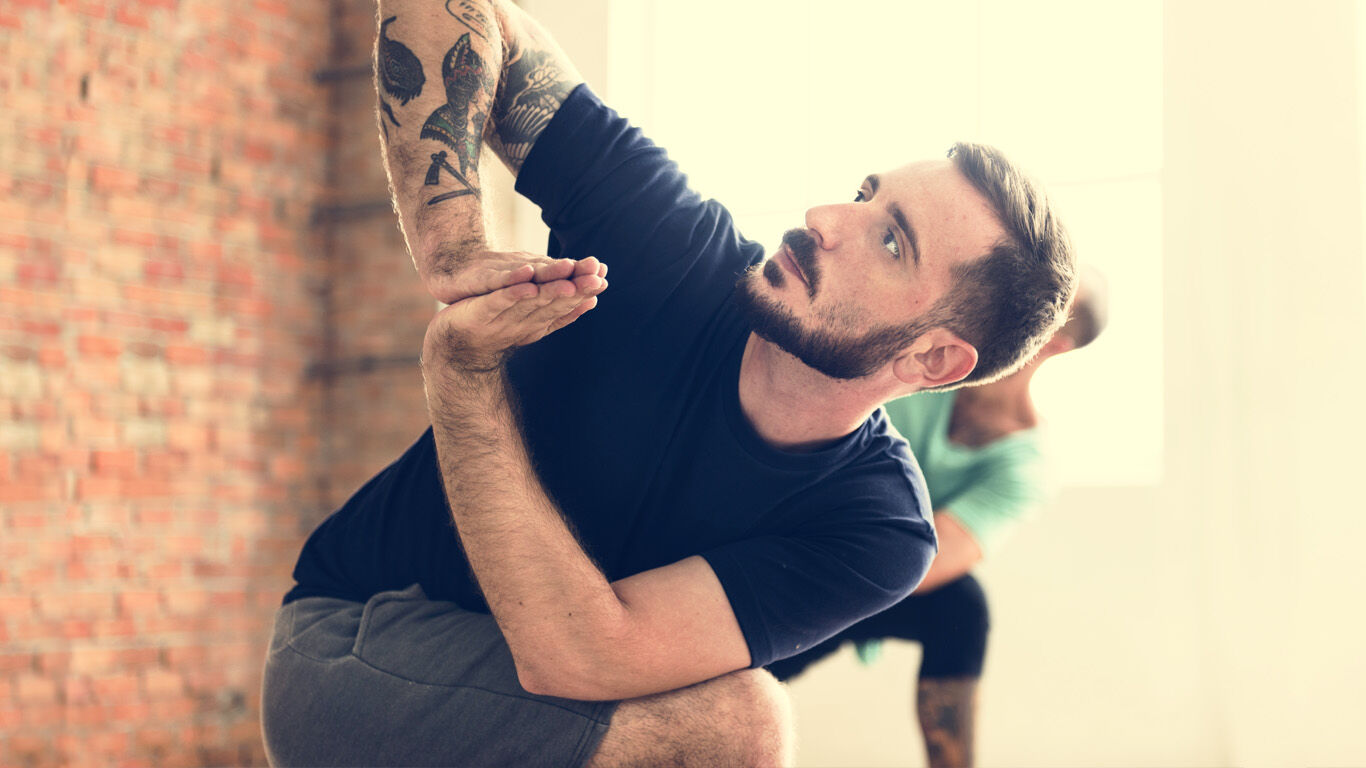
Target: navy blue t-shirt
(633,421)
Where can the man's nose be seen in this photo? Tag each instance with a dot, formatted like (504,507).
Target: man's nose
(825,223)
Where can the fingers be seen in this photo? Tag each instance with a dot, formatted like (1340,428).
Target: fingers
(478,331)
(480,280)
(587,266)
(558,269)
(574,314)
(554,300)
(500,270)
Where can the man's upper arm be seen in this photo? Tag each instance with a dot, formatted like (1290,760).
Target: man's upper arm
(678,624)
(536,79)
(680,630)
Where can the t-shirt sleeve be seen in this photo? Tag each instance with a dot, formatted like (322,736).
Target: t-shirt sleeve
(1009,489)
(790,592)
(606,190)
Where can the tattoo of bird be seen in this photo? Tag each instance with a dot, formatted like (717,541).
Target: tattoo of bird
(399,70)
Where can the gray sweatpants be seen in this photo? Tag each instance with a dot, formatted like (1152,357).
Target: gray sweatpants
(403,680)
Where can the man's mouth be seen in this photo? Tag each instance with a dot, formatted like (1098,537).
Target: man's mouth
(784,257)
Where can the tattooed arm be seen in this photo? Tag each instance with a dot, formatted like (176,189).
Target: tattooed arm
(537,78)
(443,71)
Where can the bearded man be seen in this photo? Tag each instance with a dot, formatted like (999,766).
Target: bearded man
(607,533)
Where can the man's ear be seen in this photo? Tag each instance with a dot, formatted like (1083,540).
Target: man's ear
(938,357)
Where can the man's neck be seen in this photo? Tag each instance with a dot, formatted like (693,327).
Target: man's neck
(988,412)
(796,408)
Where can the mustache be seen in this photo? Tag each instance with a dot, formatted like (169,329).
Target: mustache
(803,248)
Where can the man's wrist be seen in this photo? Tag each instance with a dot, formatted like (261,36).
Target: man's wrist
(463,369)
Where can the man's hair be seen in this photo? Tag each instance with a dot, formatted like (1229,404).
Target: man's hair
(1010,301)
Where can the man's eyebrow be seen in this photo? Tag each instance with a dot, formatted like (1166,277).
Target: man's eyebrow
(906,229)
(899,217)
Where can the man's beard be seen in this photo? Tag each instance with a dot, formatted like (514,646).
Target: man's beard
(836,356)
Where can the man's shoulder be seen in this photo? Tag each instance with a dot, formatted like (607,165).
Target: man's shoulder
(882,476)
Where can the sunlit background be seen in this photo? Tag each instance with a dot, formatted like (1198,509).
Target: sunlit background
(814,98)
(208,335)
(1186,598)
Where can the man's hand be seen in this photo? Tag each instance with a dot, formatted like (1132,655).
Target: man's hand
(485,271)
(475,334)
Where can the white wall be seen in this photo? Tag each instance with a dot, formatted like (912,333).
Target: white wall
(1214,619)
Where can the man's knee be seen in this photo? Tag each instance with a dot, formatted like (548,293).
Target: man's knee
(742,718)
(760,710)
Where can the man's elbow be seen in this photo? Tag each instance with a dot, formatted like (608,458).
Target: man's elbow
(563,681)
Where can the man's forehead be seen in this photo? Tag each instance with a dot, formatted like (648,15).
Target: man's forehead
(941,170)
(942,199)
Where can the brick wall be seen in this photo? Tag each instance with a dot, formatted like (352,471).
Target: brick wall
(377,308)
(201,352)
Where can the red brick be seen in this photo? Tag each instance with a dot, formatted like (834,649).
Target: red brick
(33,274)
(163,270)
(191,355)
(54,663)
(160,683)
(88,488)
(32,690)
(133,604)
(17,492)
(106,179)
(99,346)
(65,605)
(31,747)
(123,461)
(112,689)
(11,663)
(16,605)
(129,16)
(186,601)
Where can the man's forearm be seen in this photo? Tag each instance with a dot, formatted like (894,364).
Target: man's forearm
(450,76)
(552,602)
(436,72)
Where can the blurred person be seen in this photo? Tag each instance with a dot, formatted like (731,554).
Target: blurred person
(606,534)
(984,463)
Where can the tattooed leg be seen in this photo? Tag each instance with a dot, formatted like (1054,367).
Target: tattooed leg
(947,708)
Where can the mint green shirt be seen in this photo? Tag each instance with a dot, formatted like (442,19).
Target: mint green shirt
(988,489)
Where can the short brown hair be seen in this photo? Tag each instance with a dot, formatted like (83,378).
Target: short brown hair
(1009,302)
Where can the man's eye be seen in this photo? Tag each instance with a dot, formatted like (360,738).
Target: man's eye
(858,196)
(889,242)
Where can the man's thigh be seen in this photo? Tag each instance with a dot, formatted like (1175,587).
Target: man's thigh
(403,680)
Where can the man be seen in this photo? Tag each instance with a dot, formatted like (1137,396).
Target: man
(605,535)
(983,461)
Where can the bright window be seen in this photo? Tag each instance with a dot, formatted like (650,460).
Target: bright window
(772,107)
